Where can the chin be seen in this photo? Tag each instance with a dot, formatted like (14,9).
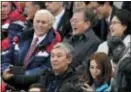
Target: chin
(75,33)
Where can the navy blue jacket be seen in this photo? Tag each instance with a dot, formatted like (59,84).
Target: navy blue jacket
(17,52)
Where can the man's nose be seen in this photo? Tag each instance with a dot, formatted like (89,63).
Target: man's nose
(40,24)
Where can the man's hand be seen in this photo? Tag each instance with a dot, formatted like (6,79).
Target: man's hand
(7,74)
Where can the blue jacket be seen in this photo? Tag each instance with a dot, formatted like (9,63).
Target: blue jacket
(15,29)
(39,59)
(104,87)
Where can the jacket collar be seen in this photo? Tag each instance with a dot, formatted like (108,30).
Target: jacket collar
(85,35)
(49,37)
(63,75)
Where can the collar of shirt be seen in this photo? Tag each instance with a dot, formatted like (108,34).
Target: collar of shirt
(39,37)
(58,18)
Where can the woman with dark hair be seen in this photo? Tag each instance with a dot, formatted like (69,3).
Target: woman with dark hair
(97,75)
(119,36)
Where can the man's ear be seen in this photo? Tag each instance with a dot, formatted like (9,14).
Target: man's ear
(88,24)
(125,27)
(69,59)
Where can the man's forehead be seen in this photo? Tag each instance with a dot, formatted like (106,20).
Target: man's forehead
(78,14)
(58,50)
(43,16)
(6,2)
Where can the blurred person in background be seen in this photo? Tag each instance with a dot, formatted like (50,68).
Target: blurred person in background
(104,11)
(62,18)
(12,22)
(22,4)
(78,5)
(126,5)
(29,11)
(122,79)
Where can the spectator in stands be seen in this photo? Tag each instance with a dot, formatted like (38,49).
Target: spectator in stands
(12,22)
(119,36)
(30,9)
(122,79)
(37,87)
(62,18)
(55,80)
(97,75)
(69,7)
(104,12)
(83,39)
(32,50)
(126,5)
(2,86)
(78,5)
(22,4)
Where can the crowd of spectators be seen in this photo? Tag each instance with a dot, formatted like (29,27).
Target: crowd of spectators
(65,46)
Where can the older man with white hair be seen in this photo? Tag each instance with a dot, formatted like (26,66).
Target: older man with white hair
(30,54)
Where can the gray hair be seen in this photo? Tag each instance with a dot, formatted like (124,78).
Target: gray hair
(88,14)
(66,46)
(44,11)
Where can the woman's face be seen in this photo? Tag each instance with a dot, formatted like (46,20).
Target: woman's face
(94,69)
(116,28)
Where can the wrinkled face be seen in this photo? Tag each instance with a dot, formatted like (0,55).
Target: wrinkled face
(6,8)
(30,10)
(59,60)
(34,90)
(94,69)
(79,25)
(53,7)
(41,24)
(116,28)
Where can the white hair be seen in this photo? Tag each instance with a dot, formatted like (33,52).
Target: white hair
(66,46)
(44,11)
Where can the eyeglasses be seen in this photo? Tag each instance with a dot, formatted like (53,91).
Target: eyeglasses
(114,22)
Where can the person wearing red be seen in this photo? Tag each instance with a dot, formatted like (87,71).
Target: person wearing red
(31,53)
(12,22)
